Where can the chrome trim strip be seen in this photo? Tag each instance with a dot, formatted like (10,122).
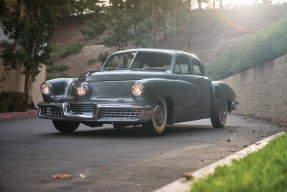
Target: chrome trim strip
(145,112)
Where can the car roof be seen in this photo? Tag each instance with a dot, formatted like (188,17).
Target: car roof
(167,51)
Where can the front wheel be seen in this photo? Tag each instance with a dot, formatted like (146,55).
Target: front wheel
(159,118)
(66,127)
(219,118)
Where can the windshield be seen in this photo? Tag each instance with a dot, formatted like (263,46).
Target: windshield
(139,61)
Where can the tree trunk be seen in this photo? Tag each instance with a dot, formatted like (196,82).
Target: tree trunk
(153,22)
(28,86)
(3,79)
(199,2)
(136,33)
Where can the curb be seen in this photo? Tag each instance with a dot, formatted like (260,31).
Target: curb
(183,184)
(15,115)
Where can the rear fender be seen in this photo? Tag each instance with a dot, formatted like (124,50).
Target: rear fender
(221,92)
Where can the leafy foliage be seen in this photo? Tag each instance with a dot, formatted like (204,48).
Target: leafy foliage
(13,101)
(261,47)
(57,75)
(103,57)
(262,171)
(28,26)
(91,61)
(93,29)
(57,68)
(57,71)
(137,22)
(67,50)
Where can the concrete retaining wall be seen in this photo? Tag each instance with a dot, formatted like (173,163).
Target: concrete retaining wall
(15,82)
(262,91)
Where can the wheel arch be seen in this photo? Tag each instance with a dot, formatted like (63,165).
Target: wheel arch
(169,103)
(221,92)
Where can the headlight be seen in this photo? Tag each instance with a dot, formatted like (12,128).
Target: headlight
(82,89)
(46,88)
(137,89)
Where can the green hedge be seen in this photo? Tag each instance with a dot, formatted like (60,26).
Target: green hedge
(263,46)
(57,75)
(66,50)
(57,71)
(57,68)
(13,101)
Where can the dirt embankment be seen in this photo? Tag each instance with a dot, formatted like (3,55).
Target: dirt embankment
(207,34)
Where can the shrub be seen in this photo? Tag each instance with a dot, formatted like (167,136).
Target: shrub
(57,75)
(67,50)
(91,61)
(13,101)
(103,57)
(57,68)
(56,71)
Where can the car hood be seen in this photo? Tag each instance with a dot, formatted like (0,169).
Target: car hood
(125,75)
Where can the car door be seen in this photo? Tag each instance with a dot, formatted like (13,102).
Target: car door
(195,100)
(204,83)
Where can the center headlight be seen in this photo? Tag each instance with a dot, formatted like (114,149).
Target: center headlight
(82,89)
(137,89)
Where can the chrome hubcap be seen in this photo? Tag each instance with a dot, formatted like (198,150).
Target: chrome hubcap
(222,113)
(158,115)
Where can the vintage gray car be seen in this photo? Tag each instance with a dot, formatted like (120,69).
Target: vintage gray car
(146,87)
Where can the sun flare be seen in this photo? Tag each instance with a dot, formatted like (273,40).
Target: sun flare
(235,3)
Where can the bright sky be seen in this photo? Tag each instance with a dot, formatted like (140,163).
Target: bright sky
(249,2)
(239,3)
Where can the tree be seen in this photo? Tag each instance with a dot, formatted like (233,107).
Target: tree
(265,2)
(199,2)
(137,13)
(119,24)
(175,11)
(11,13)
(29,24)
(112,19)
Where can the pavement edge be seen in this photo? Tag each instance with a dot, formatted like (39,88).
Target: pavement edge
(15,115)
(183,184)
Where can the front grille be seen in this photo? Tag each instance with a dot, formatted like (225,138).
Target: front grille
(119,114)
(81,107)
(51,112)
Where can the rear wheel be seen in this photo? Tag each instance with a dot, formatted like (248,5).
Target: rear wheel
(159,118)
(66,127)
(219,118)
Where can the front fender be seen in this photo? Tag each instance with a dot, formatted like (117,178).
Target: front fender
(61,87)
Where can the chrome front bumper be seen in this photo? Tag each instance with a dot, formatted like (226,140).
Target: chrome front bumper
(95,112)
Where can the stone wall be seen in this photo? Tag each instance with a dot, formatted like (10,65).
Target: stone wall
(262,91)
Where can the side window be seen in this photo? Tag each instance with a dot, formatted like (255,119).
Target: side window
(182,65)
(196,67)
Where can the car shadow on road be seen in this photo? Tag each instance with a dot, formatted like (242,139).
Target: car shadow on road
(140,132)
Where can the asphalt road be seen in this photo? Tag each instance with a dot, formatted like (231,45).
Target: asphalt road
(32,152)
